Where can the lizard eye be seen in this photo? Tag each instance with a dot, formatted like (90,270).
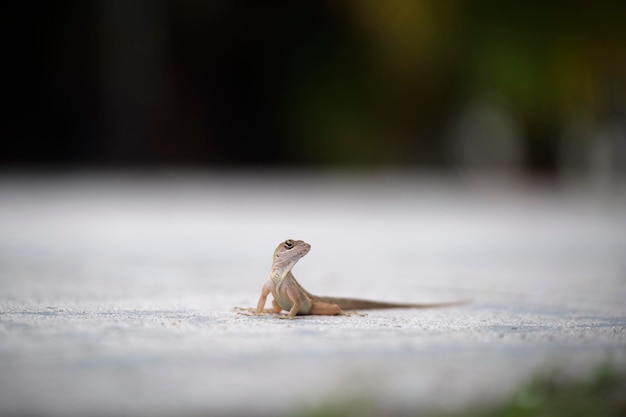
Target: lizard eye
(289,244)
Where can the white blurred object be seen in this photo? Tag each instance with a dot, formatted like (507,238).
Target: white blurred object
(487,137)
(592,153)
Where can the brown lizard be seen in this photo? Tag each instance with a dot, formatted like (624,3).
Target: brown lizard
(290,296)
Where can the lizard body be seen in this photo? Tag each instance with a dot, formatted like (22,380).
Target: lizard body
(290,296)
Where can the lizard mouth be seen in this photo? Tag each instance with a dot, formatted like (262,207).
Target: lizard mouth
(303,250)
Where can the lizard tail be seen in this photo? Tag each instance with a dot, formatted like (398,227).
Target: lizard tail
(358,304)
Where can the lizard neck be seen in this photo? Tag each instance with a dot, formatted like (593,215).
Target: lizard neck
(279,274)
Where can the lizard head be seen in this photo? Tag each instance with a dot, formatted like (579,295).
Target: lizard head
(289,252)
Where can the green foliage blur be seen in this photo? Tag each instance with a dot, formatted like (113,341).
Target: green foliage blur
(398,85)
(600,394)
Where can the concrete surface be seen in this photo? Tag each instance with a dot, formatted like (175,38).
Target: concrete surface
(117,291)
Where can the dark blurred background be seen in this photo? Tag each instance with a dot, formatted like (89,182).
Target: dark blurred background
(527,87)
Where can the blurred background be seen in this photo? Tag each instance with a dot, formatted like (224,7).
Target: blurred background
(537,90)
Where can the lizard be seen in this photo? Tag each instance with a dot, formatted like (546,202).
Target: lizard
(290,296)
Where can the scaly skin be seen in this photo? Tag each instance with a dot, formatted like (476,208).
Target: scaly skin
(290,296)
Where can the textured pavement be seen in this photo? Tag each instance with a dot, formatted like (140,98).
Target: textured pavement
(117,292)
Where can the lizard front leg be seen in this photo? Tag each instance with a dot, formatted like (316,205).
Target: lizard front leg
(293,295)
(265,291)
(260,307)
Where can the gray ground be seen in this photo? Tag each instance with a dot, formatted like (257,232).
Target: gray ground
(117,292)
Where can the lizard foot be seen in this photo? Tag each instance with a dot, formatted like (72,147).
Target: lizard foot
(246,311)
(288,317)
